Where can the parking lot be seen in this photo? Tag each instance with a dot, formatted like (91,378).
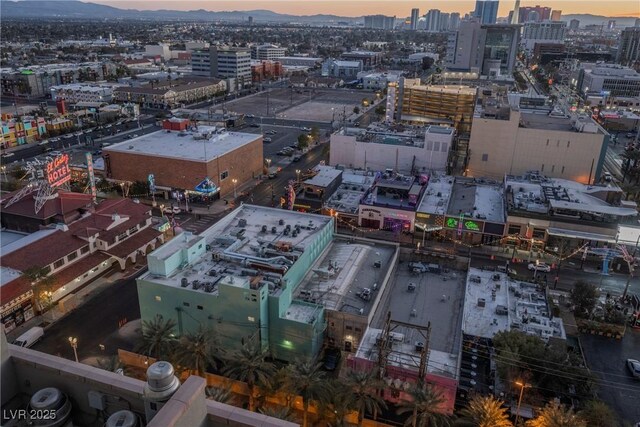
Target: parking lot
(285,136)
(606,359)
(313,104)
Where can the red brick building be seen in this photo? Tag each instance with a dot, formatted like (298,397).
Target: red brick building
(180,160)
(266,70)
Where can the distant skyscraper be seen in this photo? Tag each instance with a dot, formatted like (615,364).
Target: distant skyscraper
(556,15)
(454,21)
(380,22)
(534,14)
(574,24)
(433,20)
(612,24)
(487,11)
(415,15)
(629,47)
(445,21)
(515,14)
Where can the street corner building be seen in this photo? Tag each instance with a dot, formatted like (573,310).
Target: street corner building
(183,155)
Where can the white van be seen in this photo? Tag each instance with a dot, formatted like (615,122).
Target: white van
(30,337)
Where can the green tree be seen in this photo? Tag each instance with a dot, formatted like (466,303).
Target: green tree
(303,141)
(158,340)
(113,364)
(424,408)
(597,414)
(250,365)
(42,285)
(486,411)
(315,133)
(338,405)
(197,350)
(584,296)
(556,415)
(306,379)
(365,399)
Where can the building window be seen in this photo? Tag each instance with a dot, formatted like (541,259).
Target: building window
(133,229)
(186,304)
(553,168)
(485,157)
(251,318)
(59,263)
(84,249)
(158,298)
(224,175)
(562,170)
(514,229)
(200,307)
(542,168)
(72,256)
(348,328)
(547,142)
(568,144)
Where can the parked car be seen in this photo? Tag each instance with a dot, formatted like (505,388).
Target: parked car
(541,266)
(254,125)
(7,155)
(45,142)
(296,158)
(172,209)
(272,132)
(55,153)
(30,337)
(634,367)
(306,129)
(67,136)
(97,153)
(267,140)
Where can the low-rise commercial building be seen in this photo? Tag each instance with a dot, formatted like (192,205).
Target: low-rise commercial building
(462,210)
(170,93)
(266,70)
(86,242)
(406,149)
(609,80)
(187,159)
(304,61)
(507,139)
(368,58)
(342,69)
(267,52)
(378,81)
(23,130)
(74,93)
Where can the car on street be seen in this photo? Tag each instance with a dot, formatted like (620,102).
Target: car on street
(45,142)
(267,140)
(97,153)
(629,135)
(107,126)
(172,209)
(254,125)
(306,129)
(79,133)
(67,136)
(7,155)
(634,367)
(541,266)
(250,116)
(55,153)
(272,132)
(296,158)
(54,140)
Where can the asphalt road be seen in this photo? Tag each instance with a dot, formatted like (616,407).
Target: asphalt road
(606,358)
(94,323)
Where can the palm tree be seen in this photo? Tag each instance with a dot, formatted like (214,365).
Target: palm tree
(597,414)
(424,408)
(364,387)
(307,380)
(220,394)
(339,403)
(112,364)
(157,337)
(556,415)
(284,413)
(198,350)
(42,285)
(249,365)
(486,411)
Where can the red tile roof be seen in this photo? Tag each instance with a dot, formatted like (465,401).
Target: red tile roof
(133,243)
(63,204)
(43,252)
(14,289)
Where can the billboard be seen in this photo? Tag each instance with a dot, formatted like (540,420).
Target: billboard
(463,224)
(58,171)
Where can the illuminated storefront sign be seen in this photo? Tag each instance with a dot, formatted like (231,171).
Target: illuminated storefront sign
(463,224)
(58,171)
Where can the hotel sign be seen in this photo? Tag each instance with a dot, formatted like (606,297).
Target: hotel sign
(58,171)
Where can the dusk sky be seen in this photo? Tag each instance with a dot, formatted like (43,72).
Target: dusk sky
(366,7)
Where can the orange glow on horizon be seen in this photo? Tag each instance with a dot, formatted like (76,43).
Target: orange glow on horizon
(401,9)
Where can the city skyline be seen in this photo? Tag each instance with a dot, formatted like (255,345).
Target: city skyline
(354,8)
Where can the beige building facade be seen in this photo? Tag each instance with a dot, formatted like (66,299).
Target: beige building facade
(557,147)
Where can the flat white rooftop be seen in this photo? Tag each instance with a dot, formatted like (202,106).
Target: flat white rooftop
(493,303)
(325,176)
(436,195)
(247,237)
(347,197)
(345,268)
(477,200)
(203,144)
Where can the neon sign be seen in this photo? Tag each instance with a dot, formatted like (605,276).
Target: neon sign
(58,171)
(463,225)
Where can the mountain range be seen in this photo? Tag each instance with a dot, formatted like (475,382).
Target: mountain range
(74,9)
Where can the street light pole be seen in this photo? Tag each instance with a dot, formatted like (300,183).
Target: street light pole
(522,387)
(235,181)
(73,342)
(298,175)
